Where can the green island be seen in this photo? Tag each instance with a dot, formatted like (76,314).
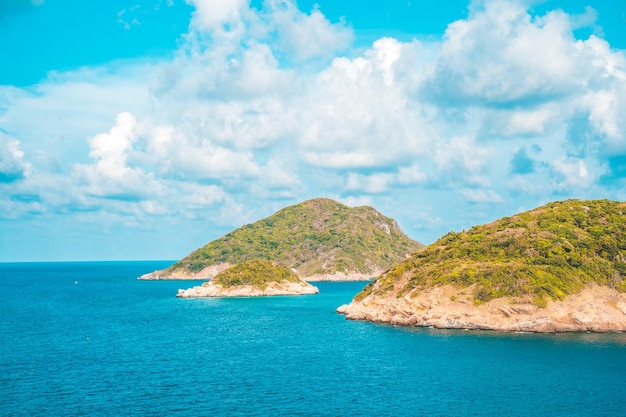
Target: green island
(316,238)
(256,272)
(255,277)
(548,253)
(559,267)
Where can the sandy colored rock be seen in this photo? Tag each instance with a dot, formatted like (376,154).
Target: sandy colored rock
(210,272)
(205,274)
(595,309)
(341,276)
(211,289)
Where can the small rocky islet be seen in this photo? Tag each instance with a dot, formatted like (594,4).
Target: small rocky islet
(252,278)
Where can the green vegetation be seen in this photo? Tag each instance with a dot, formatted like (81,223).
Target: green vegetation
(546,253)
(257,273)
(317,236)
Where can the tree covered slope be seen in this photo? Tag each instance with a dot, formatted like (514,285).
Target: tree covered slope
(253,278)
(544,254)
(316,237)
(255,272)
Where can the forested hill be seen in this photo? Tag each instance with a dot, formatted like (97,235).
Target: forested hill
(316,237)
(546,253)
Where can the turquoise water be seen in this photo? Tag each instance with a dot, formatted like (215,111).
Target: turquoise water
(89,339)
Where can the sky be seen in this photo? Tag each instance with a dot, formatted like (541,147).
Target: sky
(143,129)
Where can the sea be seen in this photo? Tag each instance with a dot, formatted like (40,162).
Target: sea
(89,339)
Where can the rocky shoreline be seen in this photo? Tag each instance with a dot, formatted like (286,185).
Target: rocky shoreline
(211,271)
(341,277)
(211,289)
(595,309)
(205,274)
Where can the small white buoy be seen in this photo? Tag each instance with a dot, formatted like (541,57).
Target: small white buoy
(75,282)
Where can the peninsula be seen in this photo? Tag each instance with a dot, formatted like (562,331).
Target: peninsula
(319,239)
(249,279)
(560,267)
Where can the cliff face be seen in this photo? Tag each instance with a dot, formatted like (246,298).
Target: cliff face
(595,308)
(560,267)
(251,278)
(319,239)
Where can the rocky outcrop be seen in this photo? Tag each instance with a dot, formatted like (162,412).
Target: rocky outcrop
(595,309)
(341,277)
(211,289)
(206,273)
(211,271)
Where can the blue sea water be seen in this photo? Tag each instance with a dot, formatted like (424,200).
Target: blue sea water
(88,339)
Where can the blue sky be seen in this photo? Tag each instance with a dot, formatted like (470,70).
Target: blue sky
(144,129)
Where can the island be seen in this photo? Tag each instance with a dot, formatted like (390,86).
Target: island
(560,267)
(318,239)
(251,279)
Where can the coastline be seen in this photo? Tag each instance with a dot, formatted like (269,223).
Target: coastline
(595,309)
(205,274)
(211,289)
(211,271)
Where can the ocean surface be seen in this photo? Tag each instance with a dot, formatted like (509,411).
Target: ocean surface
(89,339)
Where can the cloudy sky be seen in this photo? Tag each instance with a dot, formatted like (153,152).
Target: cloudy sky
(143,129)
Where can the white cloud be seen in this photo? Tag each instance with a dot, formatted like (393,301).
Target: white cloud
(177,155)
(352,201)
(385,181)
(461,161)
(340,160)
(358,112)
(110,176)
(305,36)
(216,16)
(502,55)
(13,166)
(371,184)
(411,175)
(603,113)
(481,196)
(572,173)
(192,197)
(261,105)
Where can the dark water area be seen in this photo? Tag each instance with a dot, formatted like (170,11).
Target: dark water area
(86,339)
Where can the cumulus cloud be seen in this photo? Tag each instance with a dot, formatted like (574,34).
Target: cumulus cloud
(384,181)
(481,196)
(503,55)
(358,113)
(13,166)
(178,156)
(572,173)
(215,16)
(111,176)
(371,184)
(461,161)
(273,103)
(305,36)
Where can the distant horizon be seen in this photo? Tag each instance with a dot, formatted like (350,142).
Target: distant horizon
(145,130)
(87,261)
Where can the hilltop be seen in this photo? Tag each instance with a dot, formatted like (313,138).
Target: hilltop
(319,239)
(252,278)
(557,267)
